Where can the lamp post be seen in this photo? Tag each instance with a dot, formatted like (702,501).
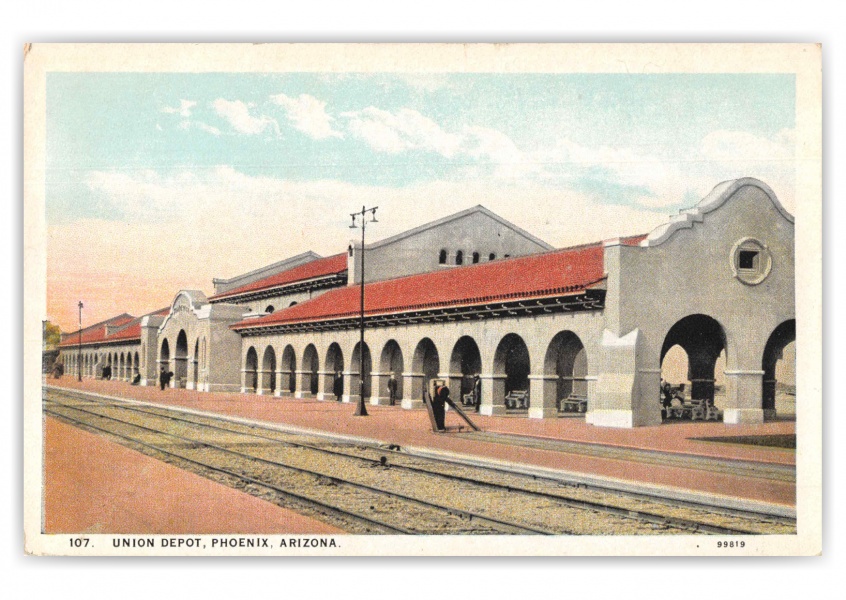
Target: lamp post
(360,408)
(79,353)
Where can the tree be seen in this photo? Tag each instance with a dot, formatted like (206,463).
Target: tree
(52,335)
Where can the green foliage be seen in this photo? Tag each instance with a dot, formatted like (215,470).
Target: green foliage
(52,334)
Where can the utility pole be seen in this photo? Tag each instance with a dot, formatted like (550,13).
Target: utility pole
(361,409)
(79,353)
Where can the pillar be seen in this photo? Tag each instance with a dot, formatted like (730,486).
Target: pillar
(743,397)
(542,401)
(325,379)
(379,390)
(303,384)
(412,384)
(493,394)
(263,384)
(283,378)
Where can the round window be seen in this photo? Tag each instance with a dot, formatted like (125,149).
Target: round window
(751,261)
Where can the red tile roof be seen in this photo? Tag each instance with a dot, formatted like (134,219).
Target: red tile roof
(97,334)
(321,267)
(558,272)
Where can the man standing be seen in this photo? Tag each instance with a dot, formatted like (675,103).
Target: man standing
(392,389)
(163,378)
(439,401)
(477,391)
(338,386)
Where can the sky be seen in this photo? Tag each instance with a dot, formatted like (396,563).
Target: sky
(161,182)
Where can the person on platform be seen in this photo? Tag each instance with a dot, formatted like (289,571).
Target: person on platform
(666,398)
(338,386)
(137,379)
(164,378)
(439,402)
(107,372)
(477,391)
(392,389)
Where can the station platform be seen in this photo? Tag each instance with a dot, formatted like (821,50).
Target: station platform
(406,428)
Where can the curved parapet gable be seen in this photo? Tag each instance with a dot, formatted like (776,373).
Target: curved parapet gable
(185,300)
(714,200)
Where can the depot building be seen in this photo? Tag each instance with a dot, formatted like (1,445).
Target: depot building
(548,332)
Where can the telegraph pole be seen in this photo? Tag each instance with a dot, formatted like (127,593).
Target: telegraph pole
(361,409)
(79,353)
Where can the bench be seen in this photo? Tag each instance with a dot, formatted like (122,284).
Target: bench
(695,410)
(517,399)
(573,403)
(469,399)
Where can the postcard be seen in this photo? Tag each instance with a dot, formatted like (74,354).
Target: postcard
(422,299)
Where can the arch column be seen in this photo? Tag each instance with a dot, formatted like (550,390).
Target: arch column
(263,384)
(282,381)
(192,371)
(379,393)
(542,401)
(303,383)
(351,387)
(413,386)
(324,385)
(493,394)
(743,390)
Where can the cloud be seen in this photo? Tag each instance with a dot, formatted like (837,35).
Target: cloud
(407,130)
(307,114)
(182,229)
(183,110)
(238,115)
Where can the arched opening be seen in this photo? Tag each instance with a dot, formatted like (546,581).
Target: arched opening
(692,349)
(180,358)
(361,365)
(511,370)
(427,362)
(268,368)
(566,361)
(492,256)
(465,363)
(391,363)
(334,371)
(195,363)
(288,367)
(269,309)
(475,257)
(779,366)
(310,369)
(137,365)
(121,366)
(292,303)
(459,257)
(251,370)
(442,257)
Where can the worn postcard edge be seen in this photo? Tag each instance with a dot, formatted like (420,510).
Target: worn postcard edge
(803,60)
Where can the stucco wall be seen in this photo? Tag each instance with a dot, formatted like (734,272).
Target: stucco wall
(419,252)
(651,288)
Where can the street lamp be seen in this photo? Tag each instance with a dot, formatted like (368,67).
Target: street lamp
(79,353)
(361,409)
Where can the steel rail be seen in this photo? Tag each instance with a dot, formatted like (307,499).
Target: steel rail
(291,495)
(579,504)
(636,514)
(470,515)
(673,503)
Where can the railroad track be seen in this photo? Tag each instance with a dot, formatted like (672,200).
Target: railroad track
(554,509)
